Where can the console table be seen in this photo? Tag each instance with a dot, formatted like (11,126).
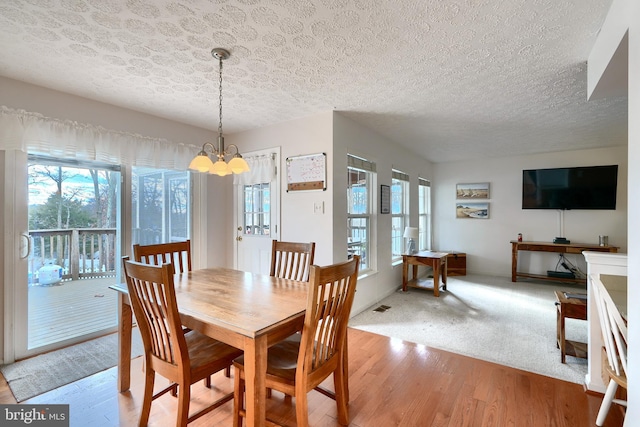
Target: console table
(569,248)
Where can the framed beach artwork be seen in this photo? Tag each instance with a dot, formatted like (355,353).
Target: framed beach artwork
(472,210)
(478,190)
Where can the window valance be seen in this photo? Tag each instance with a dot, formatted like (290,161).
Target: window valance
(262,169)
(34,133)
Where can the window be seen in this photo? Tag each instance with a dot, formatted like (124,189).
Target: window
(161,205)
(424,214)
(257,212)
(360,176)
(399,211)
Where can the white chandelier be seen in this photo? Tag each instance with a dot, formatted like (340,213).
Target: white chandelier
(202,162)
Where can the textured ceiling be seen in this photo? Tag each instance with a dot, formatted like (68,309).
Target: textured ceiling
(448,80)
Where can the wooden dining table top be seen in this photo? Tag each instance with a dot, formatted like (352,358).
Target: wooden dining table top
(246,304)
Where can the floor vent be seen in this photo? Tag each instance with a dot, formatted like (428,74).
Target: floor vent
(382,308)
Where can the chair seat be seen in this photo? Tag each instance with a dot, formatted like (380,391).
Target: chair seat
(201,347)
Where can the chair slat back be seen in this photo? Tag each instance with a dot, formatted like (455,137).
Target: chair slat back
(330,297)
(291,260)
(176,253)
(614,328)
(153,299)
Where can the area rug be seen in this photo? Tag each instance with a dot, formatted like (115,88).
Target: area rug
(39,374)
(488,318)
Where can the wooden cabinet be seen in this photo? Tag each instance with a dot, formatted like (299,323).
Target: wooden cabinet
(456,264)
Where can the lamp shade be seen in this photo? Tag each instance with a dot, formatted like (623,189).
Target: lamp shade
(201,163)
(220,168)
(410,233)
(238,164)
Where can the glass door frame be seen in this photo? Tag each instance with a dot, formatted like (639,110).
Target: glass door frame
(16,328)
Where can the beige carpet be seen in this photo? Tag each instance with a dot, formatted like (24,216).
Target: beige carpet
(488,318)
(39,374)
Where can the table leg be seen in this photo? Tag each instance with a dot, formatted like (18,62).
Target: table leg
(405,274)
(444,274)
(561,334)
(514,261)
(436,276)
(255,369)
(125,324)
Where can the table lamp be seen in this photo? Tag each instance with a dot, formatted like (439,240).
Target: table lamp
(411,233)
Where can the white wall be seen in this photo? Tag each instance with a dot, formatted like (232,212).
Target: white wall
(486,241)
(352,138)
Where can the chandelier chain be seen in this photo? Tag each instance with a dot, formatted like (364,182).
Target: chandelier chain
(220,100)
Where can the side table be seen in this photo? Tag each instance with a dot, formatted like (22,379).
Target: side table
(573,308)
(435,260)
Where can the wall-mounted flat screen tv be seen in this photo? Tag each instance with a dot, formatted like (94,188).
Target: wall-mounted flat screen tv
(589,187)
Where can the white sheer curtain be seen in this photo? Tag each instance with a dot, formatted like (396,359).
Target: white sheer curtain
(261,169)
(34,133)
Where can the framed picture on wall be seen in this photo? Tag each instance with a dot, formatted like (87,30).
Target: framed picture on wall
(478,190)
(385,199)
(472,210)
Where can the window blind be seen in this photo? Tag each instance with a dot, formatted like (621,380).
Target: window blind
(360,163)
(395,174)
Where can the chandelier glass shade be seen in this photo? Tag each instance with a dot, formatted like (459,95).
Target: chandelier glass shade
(202,161)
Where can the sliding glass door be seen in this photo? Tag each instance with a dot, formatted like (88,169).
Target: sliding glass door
(72,254)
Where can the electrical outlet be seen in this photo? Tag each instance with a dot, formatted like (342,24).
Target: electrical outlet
(318,207)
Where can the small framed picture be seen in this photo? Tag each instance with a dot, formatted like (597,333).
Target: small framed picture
(472,210)
(385,199)
(478,190)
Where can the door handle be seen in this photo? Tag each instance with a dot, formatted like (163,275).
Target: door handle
(28,239)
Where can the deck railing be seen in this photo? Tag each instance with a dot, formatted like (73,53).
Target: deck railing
(81,252)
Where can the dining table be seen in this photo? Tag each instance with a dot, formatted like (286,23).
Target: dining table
(246,310)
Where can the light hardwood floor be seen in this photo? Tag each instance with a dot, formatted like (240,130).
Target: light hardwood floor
(392,383)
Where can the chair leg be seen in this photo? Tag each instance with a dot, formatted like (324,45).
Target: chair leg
(238,398)
(302,408)
(227,372)
(606,402)
(342,395)
(207,382)
(184,398)
(149,380)
(345,368)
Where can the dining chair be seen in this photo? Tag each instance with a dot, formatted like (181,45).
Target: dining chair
(614,332)
(303,361)
(176,253)
(291,260)
(182,358)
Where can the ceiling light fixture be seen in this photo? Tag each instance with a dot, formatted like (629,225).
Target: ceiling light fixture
(202,162)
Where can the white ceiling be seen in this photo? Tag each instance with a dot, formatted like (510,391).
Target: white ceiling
(449,80)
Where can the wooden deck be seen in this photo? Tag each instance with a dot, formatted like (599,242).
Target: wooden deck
(71,309)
